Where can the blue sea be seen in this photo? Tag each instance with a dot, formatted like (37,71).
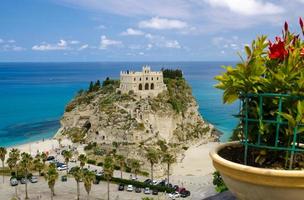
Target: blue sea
(33,95)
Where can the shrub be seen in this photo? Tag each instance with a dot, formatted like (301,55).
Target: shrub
(100,164)
(218,182)
(92,162)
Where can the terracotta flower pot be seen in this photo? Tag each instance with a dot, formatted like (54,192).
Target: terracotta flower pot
(252,183)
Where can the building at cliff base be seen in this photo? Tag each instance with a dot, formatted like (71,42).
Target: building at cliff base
(143,84)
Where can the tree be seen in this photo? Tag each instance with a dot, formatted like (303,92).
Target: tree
(67,157)
(153,157)
(43,157)
(108,168)
(12,162)
(169,159)
(120,159)
(38,164)
(91,87)
(25,164)
(135,166)
(3,153)
(82,159)
(77,173)
(88,178)
(51,177)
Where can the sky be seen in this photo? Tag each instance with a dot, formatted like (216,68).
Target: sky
(138,30)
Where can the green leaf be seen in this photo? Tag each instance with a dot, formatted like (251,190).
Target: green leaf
(248,50)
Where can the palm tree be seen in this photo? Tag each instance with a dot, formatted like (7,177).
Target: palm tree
(135,167)
(88,178)
(38,164)
(3,153)
(43,157)
(12,162)
(67,156)
(169,159)
(153,157)
(121,161)
(25,164)
(77,173)
(51,176)
(108,168)
(82,159)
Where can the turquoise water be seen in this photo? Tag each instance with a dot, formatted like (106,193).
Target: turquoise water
(33,95)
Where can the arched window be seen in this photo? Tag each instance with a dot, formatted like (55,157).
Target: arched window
(146,78)
(139,79)
(152,78)
(140,87)
(157,78)
(147,86)
(152,86)
(134,79)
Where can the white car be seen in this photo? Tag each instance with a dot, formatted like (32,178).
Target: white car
(147,190)
(130,188)
(174,195)
(62,168)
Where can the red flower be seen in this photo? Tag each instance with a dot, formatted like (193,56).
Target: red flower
(277,50)
(302,52)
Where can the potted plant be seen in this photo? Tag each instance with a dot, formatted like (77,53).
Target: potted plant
(267,160)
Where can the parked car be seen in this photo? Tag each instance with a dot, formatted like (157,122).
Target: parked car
(130,188)
(33,179)
(62,168)
(162,183)
(175,187)
(155,192)
(147,190)
(155,182)
(23,180)
(13,181)
(174,195)
(148,181)
(121,187)
(50,158)
(138,190)
(185,193)
(181,190)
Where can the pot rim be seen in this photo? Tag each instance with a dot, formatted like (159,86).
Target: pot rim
(249,169)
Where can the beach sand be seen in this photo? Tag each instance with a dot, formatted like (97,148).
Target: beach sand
(46,145)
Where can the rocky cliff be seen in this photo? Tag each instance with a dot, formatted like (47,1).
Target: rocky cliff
(129,124)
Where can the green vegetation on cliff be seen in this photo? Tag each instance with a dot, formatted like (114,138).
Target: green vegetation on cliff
(179,93)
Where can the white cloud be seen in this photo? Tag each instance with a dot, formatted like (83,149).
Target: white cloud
(141,53)
(161,41)
(131,31)
(248,7)
(1,40)
(61,45)
(11,47)
(149,46)
(173,44)
(106,42)
(11,41)
(82,47)
(74,42)
(162,23)
(100,27)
